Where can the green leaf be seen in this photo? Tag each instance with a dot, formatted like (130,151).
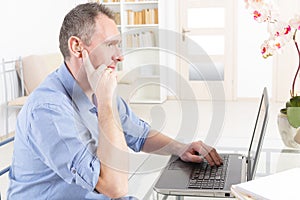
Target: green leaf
(295,101)
(293,115)
(283,111)
(288,104)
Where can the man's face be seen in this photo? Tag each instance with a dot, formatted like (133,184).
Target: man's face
(104,47)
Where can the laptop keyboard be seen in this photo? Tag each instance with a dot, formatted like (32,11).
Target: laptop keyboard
(206,177)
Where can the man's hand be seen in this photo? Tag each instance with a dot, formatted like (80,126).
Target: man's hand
(103,80)
(93,74)
(197,151)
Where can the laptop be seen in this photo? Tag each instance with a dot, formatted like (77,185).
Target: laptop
(191,179)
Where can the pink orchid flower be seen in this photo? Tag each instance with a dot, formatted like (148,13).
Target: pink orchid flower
(280,32)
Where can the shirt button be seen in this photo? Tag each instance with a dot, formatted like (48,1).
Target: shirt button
(73,170)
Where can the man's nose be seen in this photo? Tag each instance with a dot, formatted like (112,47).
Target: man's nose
(118,57)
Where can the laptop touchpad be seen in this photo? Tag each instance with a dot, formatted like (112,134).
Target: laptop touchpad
(179,165)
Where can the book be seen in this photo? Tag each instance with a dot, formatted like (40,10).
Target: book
(278,186)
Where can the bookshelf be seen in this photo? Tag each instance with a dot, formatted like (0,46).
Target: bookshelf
(140,76)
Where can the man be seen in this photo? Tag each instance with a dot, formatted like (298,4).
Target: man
(73,133)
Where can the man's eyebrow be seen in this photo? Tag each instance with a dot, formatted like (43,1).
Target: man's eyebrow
(113,41)
(115,38)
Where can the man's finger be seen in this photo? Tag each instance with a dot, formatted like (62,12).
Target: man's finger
(212,155)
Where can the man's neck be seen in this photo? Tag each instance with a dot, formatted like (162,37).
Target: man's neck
(78,73)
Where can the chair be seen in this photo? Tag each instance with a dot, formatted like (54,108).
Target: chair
(14,97)
(5,169)
(37,67)
(14,89)
(22,76)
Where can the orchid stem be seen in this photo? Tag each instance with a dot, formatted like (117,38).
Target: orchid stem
(293,86)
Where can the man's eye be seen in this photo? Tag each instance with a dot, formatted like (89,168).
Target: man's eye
(113,45)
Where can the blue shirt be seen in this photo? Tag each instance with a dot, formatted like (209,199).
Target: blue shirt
(56,140)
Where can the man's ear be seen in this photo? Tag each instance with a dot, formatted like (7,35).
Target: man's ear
(75,46)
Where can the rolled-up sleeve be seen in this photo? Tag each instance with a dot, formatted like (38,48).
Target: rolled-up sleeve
(135,129)
(54,136)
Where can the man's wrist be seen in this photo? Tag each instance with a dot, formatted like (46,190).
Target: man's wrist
(180,148)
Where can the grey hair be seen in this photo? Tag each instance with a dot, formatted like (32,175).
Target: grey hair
(80,22)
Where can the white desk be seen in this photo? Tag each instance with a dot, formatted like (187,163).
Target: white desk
(271,160)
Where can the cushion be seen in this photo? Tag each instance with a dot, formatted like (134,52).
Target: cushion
(18,102)
(37,67)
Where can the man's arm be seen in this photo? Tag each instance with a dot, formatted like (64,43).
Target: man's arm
(159,143)
(112,149)
(112,152)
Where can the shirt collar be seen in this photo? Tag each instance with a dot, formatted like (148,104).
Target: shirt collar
(75,92)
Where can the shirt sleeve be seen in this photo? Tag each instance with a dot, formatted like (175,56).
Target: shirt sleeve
(135,129)
(54,136)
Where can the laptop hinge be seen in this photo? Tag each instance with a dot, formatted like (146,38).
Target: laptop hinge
(244,171)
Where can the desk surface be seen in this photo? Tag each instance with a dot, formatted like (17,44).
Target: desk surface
(271,160)
(237,130)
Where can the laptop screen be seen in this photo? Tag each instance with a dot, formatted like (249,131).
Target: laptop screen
(257,137)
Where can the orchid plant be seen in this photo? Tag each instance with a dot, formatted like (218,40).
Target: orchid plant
(281,33)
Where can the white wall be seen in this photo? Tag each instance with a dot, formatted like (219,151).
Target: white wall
(29,27)
(170,23)
(253,71)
